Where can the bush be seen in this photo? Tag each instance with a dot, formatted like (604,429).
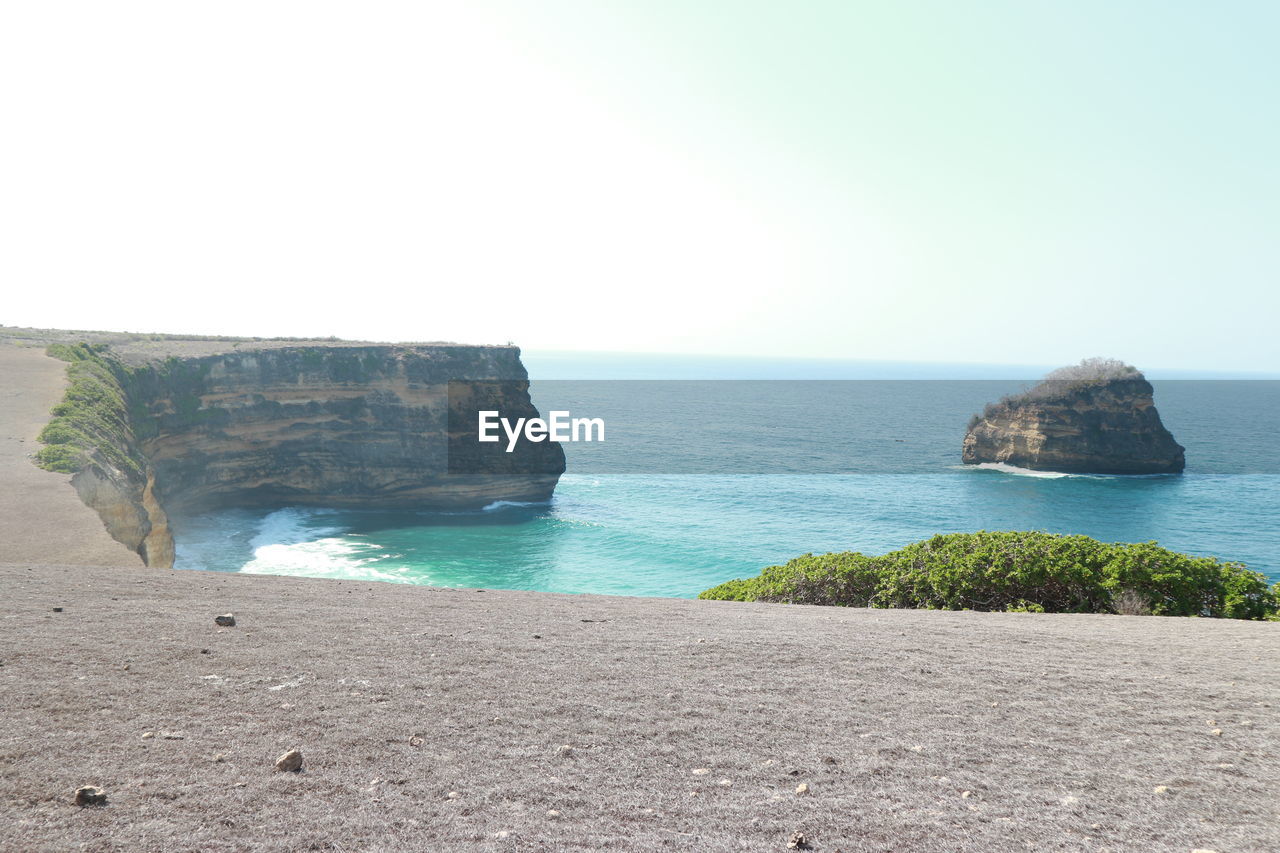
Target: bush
(92,419)
(1060,383)
(1094,370)
(1018,571)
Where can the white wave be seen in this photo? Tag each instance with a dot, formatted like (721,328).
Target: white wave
(1021,472)
(289,526)
(1058,475)
(497,505)
(290,542)
(328,557)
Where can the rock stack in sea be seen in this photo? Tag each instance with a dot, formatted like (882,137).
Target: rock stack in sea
(1098,417)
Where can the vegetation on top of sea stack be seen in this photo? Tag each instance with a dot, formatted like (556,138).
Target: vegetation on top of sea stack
(1067,380)
(1018,571)
(1094,370)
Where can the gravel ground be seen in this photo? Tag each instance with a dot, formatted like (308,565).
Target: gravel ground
(440,720)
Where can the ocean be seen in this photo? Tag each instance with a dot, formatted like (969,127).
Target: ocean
(715,468)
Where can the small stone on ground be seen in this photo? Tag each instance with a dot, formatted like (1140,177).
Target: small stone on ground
(290,762)
(91,795)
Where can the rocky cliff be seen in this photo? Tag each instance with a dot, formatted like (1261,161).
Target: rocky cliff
(1099,418)
(272,425)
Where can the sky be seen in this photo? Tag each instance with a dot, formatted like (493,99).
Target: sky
(997,182)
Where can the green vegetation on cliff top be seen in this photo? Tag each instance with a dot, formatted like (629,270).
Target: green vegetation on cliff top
(93,418)
(1017,571)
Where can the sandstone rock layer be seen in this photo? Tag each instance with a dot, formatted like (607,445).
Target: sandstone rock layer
(342,425)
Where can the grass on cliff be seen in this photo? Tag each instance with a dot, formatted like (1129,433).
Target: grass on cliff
(1018,571)
(93,417)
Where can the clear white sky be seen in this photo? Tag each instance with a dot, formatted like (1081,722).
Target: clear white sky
(990,181)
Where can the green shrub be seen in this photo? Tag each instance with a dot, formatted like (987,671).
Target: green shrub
(63,458)
(92,420)
(1017,571)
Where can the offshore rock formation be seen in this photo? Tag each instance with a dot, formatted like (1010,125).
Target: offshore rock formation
(387,426)
(1095,418)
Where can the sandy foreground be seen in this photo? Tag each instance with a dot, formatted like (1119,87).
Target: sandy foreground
(438,719)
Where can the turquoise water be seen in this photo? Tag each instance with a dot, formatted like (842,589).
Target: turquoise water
(716,504)
(677,535)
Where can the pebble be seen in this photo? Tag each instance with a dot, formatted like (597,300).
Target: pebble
(453,795)
(290,762)
(90,795)
(565,750)
(226,620)
(1162,789)
(1216,732)
(553,814)
(964,795)
(1070,800)
(802,789)
(725,783)
(798,841)
(701,771)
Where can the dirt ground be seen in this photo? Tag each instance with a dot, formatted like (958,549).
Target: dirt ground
(440,720)
(142,348)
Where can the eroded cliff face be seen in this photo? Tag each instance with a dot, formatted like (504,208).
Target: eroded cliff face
(1108,426)
(344,425)
(129,510)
